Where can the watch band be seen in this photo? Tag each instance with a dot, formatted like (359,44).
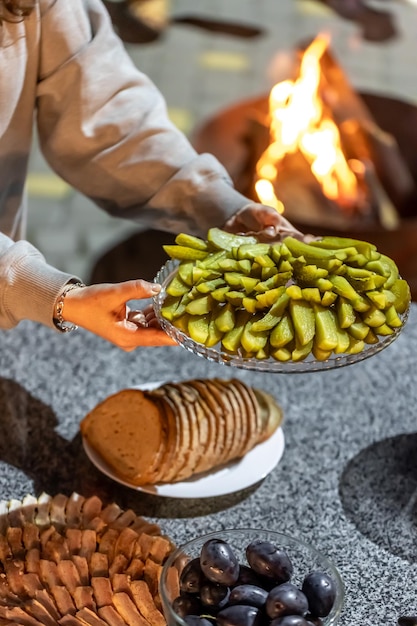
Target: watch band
(60,323)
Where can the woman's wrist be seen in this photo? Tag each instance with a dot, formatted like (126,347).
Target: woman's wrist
(59,317)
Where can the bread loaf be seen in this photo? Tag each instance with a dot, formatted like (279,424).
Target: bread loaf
(179,429)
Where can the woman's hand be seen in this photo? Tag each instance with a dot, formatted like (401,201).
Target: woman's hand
(263,221)
(103,310)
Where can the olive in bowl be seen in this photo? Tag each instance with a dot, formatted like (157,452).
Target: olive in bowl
(250,577)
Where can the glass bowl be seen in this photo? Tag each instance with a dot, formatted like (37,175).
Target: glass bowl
(303,556)
(217,355)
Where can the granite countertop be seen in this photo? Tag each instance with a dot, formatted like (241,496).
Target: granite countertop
(347,482)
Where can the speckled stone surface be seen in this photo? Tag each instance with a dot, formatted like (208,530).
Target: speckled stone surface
(347,482)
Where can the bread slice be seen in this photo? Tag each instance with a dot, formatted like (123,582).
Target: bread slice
(237,420)
(176,444)
(127,431)
(218,414)
(172,439)
(271,414)
(179,408)
(179,429)
(226,410)
(252,411)
(248,439)
(198,423)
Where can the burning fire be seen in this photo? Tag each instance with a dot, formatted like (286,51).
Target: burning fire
(300,121)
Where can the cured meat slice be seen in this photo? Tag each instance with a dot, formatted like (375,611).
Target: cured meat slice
(73,511)
(31,583)
(128,611)
(124,519)
(57,511)
(54,574)
(38,611)
(33,561)
(5,552)
(90,618)
(151,575)
(42,518)
(135,568)
(46,534)
(152,546)
(14,535)
(28,508)
(48,573)
(19,616)
(111,512)
(84,598)
(99,564)
(97,524)
(14,513)
(91,508)
(4,519)
(69,575)
(14,571)
(125,543)
(108,542)
(111,616)
(88,543)
(81,564)
(7,597)
(56,548)
(146,527)
(102,590)
(63,600)
(119,564)
(70,620)
(144,601)
(73,536)
(31,537)
(44,598)
(121,583)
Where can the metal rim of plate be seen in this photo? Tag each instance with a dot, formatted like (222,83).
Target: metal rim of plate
(217,355)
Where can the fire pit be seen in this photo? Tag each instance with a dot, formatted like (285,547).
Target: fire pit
(386,212)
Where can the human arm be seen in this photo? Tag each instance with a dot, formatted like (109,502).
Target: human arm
(103,309)
(104,128)
(29,286)
(30,289)
(107,131)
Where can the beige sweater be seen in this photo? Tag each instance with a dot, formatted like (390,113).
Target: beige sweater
(102,127)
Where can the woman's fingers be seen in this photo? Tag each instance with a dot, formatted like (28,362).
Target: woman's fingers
(130,336)
(262,221)
(103,310)
(137,289)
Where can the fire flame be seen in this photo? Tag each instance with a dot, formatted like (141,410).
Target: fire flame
(299,121)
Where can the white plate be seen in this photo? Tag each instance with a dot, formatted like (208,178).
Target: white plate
(234,476)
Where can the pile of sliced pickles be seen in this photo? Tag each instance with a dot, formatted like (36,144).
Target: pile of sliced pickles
(285,300)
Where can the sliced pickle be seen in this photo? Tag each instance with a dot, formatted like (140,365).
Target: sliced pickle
(226,241)
(190,241)
(303,319)
(284,300)
(184,253)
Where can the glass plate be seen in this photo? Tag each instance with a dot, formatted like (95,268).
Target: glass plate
(216,354)
(229,478)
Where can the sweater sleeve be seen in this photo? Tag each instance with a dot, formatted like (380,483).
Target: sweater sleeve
(104,128)
(29,286)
